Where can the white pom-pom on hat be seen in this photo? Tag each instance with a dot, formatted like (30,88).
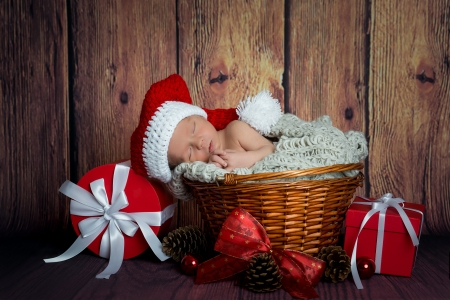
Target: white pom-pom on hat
(261,111)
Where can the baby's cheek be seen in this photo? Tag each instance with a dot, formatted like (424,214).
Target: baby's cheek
(203,157)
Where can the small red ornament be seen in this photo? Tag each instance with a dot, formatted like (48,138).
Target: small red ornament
(366,267)
(189,264)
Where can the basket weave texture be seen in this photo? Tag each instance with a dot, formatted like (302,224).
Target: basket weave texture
(303,215)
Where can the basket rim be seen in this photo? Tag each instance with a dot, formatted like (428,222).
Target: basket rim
(233,179)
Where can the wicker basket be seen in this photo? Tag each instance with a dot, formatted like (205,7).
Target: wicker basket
(302,215)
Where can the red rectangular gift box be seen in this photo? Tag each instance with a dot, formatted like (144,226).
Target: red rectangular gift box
(399,253)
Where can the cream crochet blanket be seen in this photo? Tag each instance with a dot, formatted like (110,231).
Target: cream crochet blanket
(301,145)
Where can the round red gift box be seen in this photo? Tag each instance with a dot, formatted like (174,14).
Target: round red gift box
(143,196)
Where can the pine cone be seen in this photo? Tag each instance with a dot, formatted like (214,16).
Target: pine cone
(185,240)
(263,274)
(338,263)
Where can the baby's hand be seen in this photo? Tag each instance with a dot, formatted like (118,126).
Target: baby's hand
(216,159)
(234,159)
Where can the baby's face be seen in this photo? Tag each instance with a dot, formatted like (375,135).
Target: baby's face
(193,139)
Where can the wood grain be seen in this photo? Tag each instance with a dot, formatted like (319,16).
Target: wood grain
(120,48)
(409,107)
(327,49)
(242,40)
(34,137)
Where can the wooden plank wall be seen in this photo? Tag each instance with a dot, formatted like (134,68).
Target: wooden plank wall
(409,105)
(118,52)
(34,141)
(73,75)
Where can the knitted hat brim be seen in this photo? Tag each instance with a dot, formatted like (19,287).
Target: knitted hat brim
(158,135)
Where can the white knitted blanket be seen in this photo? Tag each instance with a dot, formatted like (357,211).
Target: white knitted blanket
(301,145)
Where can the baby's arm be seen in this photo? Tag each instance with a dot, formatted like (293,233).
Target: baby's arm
(253,146)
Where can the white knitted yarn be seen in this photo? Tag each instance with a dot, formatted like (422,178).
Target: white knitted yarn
(304,145)
(301,145)
(158,134)
(261,111)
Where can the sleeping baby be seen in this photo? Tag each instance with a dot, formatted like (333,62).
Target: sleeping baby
(172,131)
(176,139)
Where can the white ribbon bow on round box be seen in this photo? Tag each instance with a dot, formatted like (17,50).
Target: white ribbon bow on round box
(103,215)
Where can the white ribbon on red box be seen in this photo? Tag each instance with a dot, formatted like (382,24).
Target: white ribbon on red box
(96,206)
(381,205)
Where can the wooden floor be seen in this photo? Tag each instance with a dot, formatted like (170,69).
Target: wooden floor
(24,275)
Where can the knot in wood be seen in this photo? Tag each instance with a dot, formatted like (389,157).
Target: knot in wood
(348,113)
(220,79)
(422,77)
(124,98)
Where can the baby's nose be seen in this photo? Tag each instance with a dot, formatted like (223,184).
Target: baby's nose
(199,143)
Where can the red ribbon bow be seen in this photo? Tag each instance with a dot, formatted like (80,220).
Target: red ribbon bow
(243,237)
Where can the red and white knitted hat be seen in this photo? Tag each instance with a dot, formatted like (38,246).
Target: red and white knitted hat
(167,102)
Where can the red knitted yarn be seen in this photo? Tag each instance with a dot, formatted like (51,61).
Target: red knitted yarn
(221,117)
(171,88)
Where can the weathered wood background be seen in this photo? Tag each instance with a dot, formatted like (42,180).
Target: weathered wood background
(73,75)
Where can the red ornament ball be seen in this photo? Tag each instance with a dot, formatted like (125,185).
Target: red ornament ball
(366,267)
(189,264)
